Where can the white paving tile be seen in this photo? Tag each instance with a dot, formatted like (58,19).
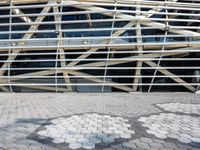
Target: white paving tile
(75,145)
(175,126)
(181,107)
(87,130)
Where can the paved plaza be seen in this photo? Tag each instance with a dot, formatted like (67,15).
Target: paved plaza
(111,121)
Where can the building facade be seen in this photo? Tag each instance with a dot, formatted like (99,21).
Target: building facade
(99,45)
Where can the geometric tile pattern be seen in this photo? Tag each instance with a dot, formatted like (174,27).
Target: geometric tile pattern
(22,116)
(180,107)
(84,131)
(184,128)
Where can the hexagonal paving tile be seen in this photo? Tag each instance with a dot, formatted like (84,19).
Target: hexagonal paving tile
(181,107)
(175,126)
(84,131)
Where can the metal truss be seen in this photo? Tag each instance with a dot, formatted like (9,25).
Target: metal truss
(115,45)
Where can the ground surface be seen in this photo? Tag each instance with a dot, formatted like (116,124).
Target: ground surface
(99,121)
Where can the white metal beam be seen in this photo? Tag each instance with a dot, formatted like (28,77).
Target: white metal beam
(61,50)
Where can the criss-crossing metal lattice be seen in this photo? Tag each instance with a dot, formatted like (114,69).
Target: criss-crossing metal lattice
(100,45)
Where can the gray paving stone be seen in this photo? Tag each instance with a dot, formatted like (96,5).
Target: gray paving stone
(153,148)
(118,146)
(158,141)
(156,145)
(21,114)
(143,145)
(108,149)
(180,107)
(129,145)
(146,140)
(174,136)
(170,145)
(160,136)
(182,148)
(194,148)
(123,148)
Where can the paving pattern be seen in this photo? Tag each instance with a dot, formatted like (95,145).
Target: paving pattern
(181,107)
(84,131)
(44,121)
(184,128)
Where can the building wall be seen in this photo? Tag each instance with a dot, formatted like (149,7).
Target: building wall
(99,46)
